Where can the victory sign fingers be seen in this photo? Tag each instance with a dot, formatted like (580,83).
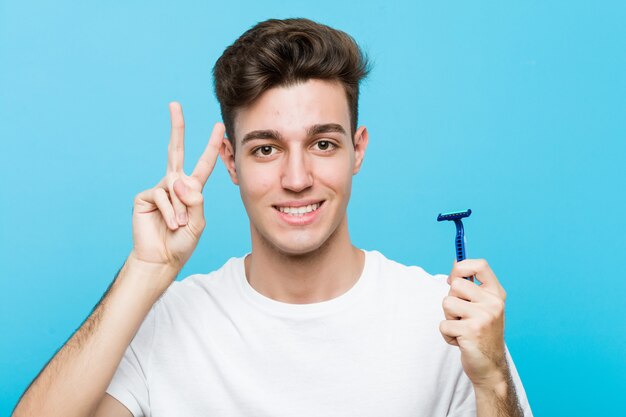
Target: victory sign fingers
(175,164)
(168,219)
(177,196)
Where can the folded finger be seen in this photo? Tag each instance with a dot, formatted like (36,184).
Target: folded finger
(465,290)
(162,201)
(180,209)
(450,330)
(455,308)
(144,202)
(194,201)
(483,272)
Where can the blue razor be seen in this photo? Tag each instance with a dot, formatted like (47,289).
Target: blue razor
(459,240)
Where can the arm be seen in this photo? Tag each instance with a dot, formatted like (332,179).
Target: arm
(475,323)
(167,223)
(74,381)
(499,398)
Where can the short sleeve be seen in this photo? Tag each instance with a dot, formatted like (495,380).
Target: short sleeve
(463,403)
(129,384)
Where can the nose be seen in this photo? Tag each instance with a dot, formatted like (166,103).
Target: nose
(296,175)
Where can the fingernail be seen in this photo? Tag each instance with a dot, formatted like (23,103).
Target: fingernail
(182,219)
(173,223)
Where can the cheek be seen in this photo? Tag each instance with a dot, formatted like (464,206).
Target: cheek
(336,174)
(255,181)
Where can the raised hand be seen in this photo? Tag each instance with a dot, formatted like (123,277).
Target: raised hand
(475,321)
(168,219)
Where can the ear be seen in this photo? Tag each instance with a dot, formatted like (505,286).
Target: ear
(361,138)
(228,158)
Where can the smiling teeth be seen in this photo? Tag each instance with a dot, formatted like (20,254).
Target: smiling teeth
(299,211)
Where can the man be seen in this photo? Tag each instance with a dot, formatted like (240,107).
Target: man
(306,324)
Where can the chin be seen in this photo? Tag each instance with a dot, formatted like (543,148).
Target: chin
(295,246)
(290,242)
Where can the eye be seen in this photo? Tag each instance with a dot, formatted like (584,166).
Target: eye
(264,151)
(325,145)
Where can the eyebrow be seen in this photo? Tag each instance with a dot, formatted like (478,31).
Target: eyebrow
(269,134)
(261,134)
(325,128)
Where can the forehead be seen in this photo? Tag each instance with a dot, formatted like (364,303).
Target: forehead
(292,109)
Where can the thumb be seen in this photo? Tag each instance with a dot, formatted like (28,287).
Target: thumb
(194,200)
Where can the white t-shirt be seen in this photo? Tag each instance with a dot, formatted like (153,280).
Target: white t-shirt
(214,346)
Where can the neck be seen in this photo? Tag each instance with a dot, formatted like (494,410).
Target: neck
(313,277)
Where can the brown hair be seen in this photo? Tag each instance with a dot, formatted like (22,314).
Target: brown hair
(277,53)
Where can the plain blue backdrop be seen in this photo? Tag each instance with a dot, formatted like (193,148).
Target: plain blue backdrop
(516,110)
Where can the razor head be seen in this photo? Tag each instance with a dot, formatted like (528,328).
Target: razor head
(455,215)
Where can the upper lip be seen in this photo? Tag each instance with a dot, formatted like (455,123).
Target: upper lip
(298,203)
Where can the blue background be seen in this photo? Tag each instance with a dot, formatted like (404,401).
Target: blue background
(516,110)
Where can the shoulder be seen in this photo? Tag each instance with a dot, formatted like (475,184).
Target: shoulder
(198,290)
(412,297)
(409,278)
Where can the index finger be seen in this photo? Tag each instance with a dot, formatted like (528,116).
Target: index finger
(176,148)
(206,163)
(483,272)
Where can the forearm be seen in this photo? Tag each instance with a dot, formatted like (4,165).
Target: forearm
(498,399)
(74,381)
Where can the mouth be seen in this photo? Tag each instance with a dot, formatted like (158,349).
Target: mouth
(302,210)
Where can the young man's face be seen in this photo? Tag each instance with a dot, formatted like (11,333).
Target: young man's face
(294,164)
